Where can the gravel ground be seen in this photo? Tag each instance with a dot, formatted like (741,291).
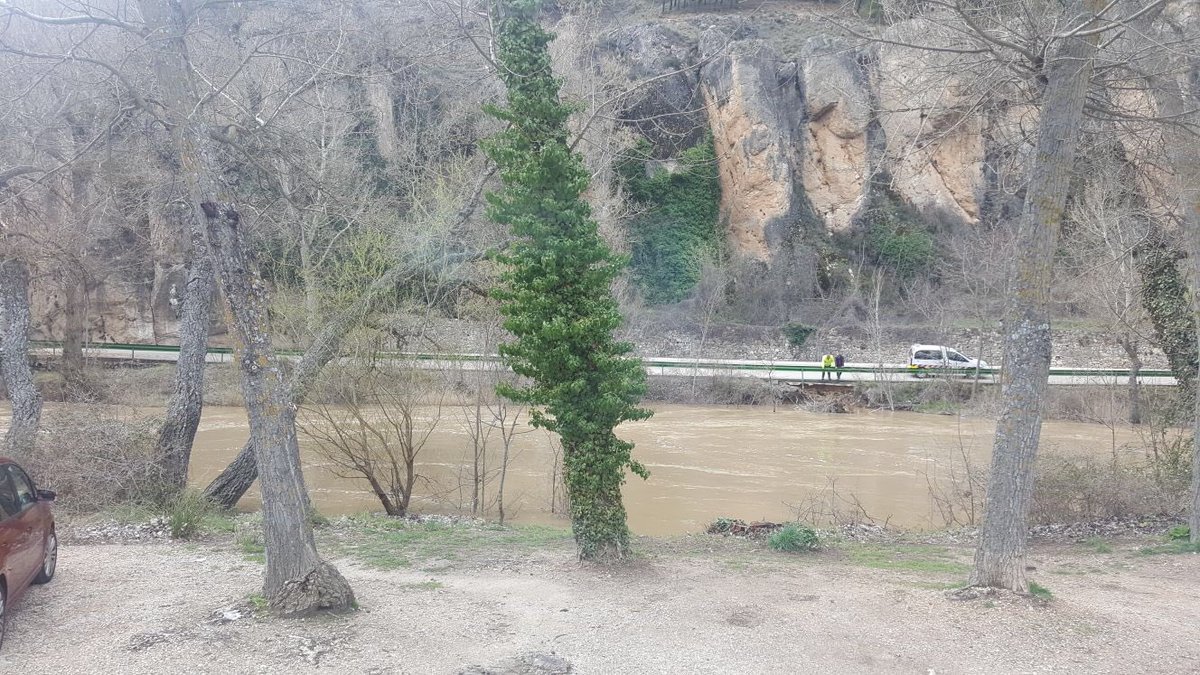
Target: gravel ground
(183,608)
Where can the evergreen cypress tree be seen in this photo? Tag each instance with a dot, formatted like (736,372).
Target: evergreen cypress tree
(556,290)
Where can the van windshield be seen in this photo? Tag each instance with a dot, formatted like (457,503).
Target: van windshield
(955,356)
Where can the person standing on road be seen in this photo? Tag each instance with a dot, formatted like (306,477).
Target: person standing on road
(827,367)
(839,362)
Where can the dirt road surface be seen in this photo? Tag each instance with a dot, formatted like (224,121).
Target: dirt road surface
(188,608)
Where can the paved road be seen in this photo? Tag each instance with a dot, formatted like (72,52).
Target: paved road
(780,371)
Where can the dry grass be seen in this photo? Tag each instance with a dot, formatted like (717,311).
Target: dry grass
(1150,479)
(1083,489)
(94,459)
(713,390)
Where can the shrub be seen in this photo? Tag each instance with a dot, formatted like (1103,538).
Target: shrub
(797,334)
(740,391)
(1081,489)
(94,460)
(1040,592)
(795,538)
(715,390)
(186,512)
(722,526)
(248,537)
(1180,533)
(907,252)
(316,518)
(894,235)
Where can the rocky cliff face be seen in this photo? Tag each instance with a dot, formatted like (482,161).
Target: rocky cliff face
(751,100)
(838,106)
(803,142)
(817,128)
(804,135)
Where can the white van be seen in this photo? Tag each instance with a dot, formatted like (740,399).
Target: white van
(921,357)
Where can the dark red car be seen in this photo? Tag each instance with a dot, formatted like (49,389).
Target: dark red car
(28,544)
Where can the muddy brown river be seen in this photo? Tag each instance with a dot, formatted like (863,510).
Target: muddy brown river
(705,462)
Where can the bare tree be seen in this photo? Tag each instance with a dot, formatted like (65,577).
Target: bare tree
(383,416)
(972,267)
(1111,224)
(1175,84)
(492,424)
(297,581)
(1067,68)
(233,481)
(1043,56)
(186,404)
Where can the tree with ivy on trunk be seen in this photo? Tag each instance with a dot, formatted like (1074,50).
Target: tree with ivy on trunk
(556,289)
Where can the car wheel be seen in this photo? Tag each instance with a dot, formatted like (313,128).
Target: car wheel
(3,613)
(49,560)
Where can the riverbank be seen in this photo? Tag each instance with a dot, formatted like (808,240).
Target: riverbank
(903,469)
(447,597)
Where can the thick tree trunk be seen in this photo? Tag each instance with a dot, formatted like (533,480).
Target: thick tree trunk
(1185,159)
(234,480)
(1193,235)
(75,385)
(297,581)
(1164,296)
(187,396)
(1000,555)
(14,359)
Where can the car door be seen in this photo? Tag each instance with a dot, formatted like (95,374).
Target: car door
(29,538)
(13,539)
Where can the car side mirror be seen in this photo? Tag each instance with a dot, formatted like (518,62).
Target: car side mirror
(46,495)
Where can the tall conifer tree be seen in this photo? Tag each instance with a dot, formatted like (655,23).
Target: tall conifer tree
(556,289)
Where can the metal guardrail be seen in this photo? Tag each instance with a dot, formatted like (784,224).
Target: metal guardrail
(798,367)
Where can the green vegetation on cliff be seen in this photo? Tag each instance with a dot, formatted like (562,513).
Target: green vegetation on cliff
(897,238)
(678,226)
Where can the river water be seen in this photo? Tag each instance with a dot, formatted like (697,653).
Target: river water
(705,462)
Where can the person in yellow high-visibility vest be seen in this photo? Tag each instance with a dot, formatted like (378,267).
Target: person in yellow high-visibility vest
(827,367)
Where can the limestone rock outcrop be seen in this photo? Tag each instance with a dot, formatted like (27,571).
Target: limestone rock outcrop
(754,110)
(932,125)
(804,140)
(835,167)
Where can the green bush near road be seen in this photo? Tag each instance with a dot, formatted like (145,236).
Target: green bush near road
(793,538)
